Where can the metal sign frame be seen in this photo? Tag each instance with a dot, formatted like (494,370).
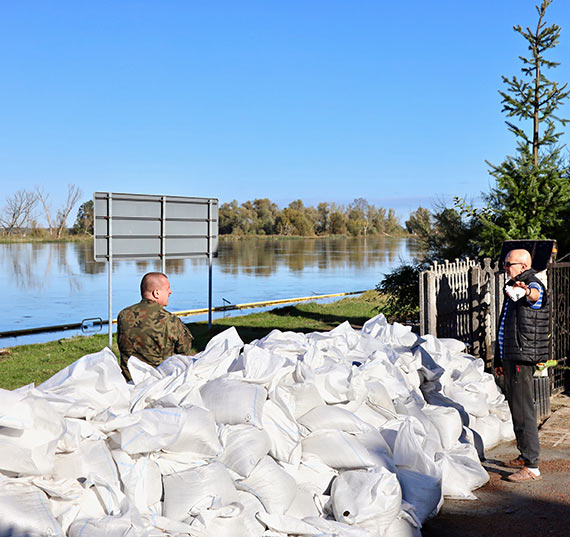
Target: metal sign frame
(146,227)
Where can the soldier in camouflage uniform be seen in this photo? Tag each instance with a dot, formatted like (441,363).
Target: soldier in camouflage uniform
(149,332)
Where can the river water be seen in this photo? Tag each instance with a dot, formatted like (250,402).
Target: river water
(54,283)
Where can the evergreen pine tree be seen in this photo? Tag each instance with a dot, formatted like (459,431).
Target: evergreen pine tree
(532,188)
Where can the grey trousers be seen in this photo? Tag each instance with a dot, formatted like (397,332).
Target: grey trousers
(520,395)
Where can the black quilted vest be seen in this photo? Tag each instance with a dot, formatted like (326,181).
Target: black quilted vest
(526,332)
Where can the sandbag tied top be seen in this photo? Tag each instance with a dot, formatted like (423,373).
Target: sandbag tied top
(234,401)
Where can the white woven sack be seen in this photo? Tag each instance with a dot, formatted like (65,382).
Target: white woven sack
(272,485)
(283,432)
(336,449)
(332,417)
(226,520)
(93,383)
(25,510)
(151,429)
(472,397)
(141,480)
(461,473)
(306,396)
(234,401)
(423,492)
(489,428)
(251,507)
(184,491)
(30,430)
(369,499)
(109,526)
(198,435)
(447,421)
(261,365)
(92,461)
(243,446)
(403,526)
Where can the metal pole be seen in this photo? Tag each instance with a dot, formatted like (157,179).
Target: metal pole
(110,266)
(163,236)
(209,264)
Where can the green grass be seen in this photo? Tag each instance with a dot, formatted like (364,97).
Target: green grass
(35,363)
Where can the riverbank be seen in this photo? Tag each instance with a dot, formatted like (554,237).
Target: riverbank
(4,239)
(36,363)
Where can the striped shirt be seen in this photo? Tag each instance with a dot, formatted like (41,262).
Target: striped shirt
(534,305)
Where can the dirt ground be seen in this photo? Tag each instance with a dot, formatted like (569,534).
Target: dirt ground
(504,509)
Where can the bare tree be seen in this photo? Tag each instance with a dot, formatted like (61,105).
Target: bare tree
(73,194)
(44,200)
(17,211)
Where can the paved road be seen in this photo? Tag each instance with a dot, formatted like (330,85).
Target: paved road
(504,509)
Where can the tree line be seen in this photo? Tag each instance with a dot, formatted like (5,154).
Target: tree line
(19,217)
(263,217)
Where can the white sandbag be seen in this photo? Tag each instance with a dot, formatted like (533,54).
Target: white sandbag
(409,448)
(226,520)
(141,480)
(306,396)
(243,446)
(288,525)
(30,430)
(220,354)
(379,368)
(338,450)
(109,526)
(372,416)
(25,510)
(251,507)
(184,490)
(461,472)
(471,397)
(93,383)
(332,417)
(489,428)
(334,382)
(507,431)
(422,491)
(333,528)
(93,460)
(150,429)
(403,526)
(261,365)
(409,365)
(454,345)
(234,401)
(272,485)
(306,503)
(198,435)
(313,474)
(378,449)
(370,499)
(448,423)
(282,430)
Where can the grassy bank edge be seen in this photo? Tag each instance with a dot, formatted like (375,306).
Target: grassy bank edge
(36,363)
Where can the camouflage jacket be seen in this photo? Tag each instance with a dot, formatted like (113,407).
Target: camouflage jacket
(149,332)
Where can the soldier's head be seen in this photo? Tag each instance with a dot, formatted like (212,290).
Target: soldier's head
(516,262)
(155,286)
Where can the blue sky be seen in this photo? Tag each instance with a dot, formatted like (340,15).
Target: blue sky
(319,100)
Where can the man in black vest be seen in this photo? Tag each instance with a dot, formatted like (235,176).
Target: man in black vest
(522,342)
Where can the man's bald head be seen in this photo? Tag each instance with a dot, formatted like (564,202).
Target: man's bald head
(155,286)
(517,261)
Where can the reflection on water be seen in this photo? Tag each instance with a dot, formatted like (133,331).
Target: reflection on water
(54,283)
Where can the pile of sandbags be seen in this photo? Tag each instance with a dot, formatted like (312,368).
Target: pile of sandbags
(345,433)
